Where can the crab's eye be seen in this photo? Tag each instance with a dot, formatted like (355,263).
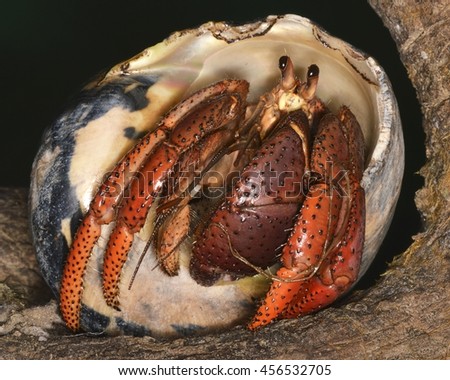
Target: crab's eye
(282,63)
(313,71)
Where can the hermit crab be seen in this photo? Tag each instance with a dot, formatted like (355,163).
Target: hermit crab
(226,175)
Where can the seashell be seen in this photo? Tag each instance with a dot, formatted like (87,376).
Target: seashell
(110,115)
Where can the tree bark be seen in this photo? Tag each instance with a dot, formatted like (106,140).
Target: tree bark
(406,315)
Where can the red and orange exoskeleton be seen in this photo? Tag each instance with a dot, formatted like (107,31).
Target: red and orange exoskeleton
(321,252)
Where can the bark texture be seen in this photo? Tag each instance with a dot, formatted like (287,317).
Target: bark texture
(406,315)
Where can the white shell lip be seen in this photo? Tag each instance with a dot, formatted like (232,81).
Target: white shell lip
(192,59)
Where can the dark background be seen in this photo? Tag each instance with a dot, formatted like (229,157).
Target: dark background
(50,48)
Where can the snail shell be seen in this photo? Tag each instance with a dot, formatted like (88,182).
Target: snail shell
(110,115)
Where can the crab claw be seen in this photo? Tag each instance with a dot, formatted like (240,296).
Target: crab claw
(278,299)
(338,272)
(288,298)
(322,257)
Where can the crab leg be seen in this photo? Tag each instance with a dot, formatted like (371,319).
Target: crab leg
(207,110)
(101,211)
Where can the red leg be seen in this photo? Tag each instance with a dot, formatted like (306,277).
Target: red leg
(72,278)
(102,211)
(132,216)
(312,296)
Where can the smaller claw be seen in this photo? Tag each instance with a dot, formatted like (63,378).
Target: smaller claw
(278,298)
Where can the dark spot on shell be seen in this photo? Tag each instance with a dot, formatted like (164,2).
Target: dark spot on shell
(132,134)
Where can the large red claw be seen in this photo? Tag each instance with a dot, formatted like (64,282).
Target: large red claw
(336,275)
(340,269)
(322,257)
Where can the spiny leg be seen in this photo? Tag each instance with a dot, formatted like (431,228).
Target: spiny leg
(277,299)
(101,211)
(72,278)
